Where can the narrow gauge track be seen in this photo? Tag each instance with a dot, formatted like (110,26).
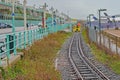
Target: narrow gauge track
(82,67)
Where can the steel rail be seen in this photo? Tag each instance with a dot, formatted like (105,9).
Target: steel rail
(72,62)
(90,63)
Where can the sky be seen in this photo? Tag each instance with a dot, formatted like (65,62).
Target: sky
(80,9)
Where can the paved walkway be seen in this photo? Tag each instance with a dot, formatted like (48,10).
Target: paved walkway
(113,32)
(17,29)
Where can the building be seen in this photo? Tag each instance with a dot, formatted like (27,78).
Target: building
(10,1)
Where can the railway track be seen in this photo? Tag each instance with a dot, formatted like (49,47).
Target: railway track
(82,68)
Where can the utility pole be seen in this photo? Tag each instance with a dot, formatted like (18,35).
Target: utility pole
(25,19)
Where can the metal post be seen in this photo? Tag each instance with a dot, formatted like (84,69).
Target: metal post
(44,14)
(99,27)
(7,46)
(13,26)
(100,22)
(52,14)
(90,19)
(13,16)
(52,19)
(116,46)
(25,39)
(20,44)
(25,22)
(87,20)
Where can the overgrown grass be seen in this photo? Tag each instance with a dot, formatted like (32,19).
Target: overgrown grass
(112,61)
(38,62)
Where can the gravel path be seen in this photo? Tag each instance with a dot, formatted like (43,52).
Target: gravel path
(63,64)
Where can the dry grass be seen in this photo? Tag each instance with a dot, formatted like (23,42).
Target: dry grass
(111,60)
(38,62)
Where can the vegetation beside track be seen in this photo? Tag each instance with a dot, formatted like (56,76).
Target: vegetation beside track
(112,61)
(38,61)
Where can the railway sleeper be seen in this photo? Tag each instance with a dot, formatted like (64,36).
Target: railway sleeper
(84,68)
(91,78)
(76,79)
(81,65)
(86,72)
(89,75)
(72,72)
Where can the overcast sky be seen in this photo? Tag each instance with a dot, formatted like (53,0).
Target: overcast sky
(80,8)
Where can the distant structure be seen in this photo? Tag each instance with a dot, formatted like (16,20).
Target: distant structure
(10,1)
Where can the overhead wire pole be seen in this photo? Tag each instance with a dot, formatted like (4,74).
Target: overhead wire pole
(100,22)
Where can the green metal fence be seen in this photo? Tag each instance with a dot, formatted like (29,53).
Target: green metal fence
(9,43)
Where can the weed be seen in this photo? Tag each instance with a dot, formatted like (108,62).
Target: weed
(20,50)
(112,61)
(38,62)
(2,71)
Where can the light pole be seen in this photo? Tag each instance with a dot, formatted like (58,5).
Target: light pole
(51,9)
(87,20)
(90,19)
(44,14)
(56,18)
(13,27)
(108,18)
(100,21)
(13,16)
(116,28)
(25,19)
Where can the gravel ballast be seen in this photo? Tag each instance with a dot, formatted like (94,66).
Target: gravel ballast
(64,66)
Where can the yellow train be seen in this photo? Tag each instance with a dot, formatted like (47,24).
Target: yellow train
(76,28)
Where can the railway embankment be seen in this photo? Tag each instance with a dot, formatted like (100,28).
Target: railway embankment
(112,61)
(38,61)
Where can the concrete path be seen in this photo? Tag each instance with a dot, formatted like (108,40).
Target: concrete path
(17,29)
(113,32)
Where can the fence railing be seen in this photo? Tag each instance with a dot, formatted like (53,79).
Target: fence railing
(10,43)
(108,42)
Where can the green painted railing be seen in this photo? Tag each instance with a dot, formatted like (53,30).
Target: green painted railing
(10,43)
